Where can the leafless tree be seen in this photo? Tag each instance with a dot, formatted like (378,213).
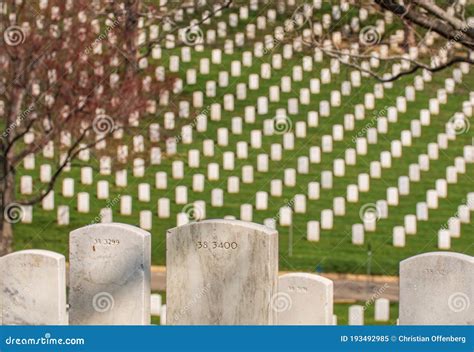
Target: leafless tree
(69,75)
(63,69)
(421,21)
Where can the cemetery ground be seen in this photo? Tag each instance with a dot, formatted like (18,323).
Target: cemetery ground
(334,252)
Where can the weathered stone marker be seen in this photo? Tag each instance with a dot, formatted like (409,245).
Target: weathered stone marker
(33,288)
(221,272)
(109,275)
(304,299)
(437,289)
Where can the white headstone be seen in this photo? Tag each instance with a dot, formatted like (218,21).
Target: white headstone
(312,231)
(33,288)
(201,262)
(118,293)
(444,239)
(356,315)
(436,289)
(63,215)
(304,299)
(357,234)
(399,236)
(163,208)
(382,309)
(327,219)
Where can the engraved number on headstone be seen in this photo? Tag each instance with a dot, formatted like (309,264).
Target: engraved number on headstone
(299,289)
(106,241)
(216,245)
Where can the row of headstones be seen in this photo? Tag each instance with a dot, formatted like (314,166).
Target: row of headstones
(334,14)
(219,272)
(414,175)
(217,194)
(380,208)
(197,211)
(122,151)
(139,164)
(142,168)
(205,64)
(48,147)
(138,145)
(452,228)
(243,14)
(392,193)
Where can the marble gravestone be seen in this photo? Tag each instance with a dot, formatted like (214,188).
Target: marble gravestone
(304,299)
(221,272)
(33,288)
(436,289)
(109,282)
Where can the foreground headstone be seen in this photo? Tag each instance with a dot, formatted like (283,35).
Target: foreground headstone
(436,289)
(109,281)
(221,272)
(33,288)
(304,299)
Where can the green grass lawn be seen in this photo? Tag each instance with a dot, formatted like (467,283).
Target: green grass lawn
(334,252)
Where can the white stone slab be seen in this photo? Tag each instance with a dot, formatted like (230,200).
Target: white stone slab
(436,289)
(33,288)
(356,315)
(382,309)
(304,299)
(201,267)
(109,281)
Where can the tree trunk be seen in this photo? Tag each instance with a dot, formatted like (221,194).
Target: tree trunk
(7,175)
(7,191)
(6,237)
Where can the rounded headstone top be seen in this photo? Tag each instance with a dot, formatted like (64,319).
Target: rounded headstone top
(35,252)
(245,225)
(114,226)
(307,276)
(439,254)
